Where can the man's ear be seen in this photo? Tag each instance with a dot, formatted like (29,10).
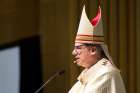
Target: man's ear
(93,50)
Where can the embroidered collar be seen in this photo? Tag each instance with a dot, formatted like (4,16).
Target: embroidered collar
(87,73)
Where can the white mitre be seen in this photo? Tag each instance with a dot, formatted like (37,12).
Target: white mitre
(91,32)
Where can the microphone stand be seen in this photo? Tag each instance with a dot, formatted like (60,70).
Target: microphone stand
(50,79)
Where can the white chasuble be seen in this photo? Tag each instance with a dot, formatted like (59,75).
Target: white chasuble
(102,77)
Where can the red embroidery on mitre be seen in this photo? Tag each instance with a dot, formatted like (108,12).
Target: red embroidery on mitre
(96,19)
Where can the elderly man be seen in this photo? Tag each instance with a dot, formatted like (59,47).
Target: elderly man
(100,74)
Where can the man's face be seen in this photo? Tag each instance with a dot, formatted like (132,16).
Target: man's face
(83,55)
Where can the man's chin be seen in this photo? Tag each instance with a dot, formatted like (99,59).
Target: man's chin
(78,63)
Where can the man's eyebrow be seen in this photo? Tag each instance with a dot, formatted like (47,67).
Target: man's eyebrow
(78,46)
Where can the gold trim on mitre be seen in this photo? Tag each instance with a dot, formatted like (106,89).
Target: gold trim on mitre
(89,38)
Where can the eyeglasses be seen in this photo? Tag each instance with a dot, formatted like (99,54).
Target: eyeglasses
(77,49)
(78,46)
(84,44)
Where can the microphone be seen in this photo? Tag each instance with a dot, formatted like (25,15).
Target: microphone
(59,73)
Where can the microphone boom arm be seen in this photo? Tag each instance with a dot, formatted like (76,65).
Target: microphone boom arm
(50,79)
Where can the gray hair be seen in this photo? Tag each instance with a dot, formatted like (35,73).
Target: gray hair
(99,49)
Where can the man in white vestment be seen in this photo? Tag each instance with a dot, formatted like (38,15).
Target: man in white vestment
(100,74)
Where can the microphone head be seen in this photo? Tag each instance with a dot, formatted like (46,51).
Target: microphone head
(61,72)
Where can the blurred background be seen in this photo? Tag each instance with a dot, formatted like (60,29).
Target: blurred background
(45,30)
